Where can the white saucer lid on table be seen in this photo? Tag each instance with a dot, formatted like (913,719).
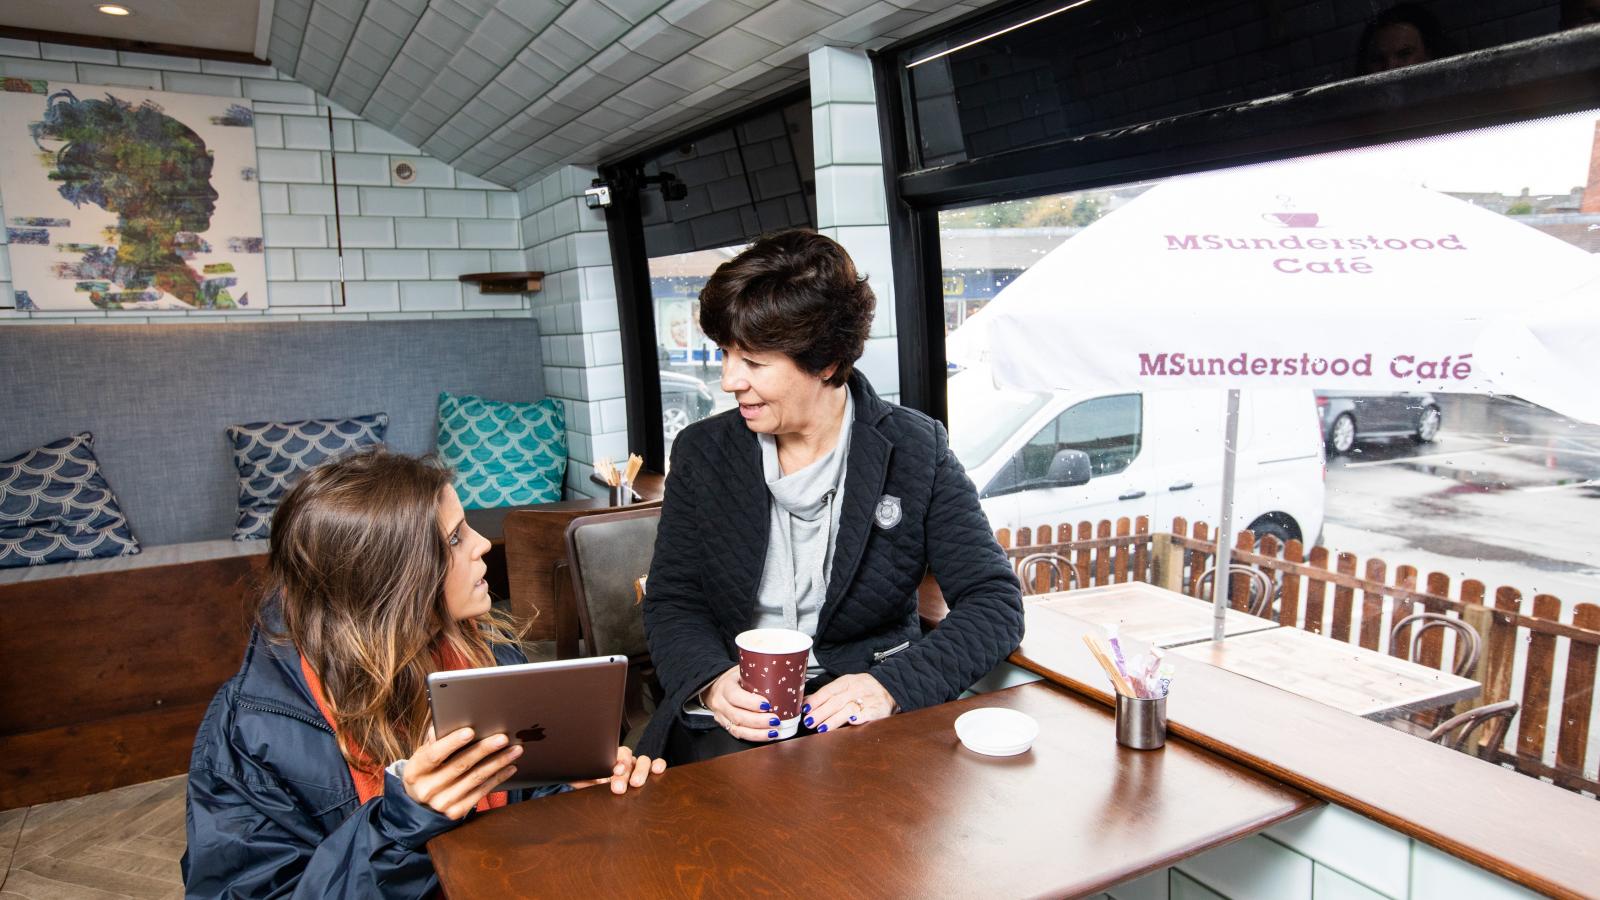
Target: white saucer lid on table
(997,731)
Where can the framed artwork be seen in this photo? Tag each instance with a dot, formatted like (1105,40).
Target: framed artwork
(124,199)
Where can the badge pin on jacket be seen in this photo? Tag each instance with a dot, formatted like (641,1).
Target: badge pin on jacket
(887,514)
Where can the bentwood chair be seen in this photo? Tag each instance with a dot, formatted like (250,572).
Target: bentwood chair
(1063,575)
(1463,732)
(607,555)
(1262,591)
(1467,640)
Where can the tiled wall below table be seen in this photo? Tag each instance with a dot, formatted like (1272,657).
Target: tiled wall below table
(1327,854)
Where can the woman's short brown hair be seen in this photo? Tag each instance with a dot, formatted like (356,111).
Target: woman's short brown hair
(794,292)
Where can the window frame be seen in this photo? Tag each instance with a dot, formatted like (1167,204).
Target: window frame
(1554,74)
(631,273)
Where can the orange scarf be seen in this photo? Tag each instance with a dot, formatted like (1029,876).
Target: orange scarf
(369,778)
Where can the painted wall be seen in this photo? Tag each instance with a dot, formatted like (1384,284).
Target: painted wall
(404,243)
(1328,854)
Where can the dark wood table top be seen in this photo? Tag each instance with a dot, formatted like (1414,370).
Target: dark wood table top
(896,808)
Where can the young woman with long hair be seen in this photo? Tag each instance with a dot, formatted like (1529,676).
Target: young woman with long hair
(316,772)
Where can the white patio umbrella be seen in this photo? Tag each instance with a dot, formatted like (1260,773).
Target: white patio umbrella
(1299,275)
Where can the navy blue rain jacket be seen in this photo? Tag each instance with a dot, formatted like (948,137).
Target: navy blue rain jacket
(272,810)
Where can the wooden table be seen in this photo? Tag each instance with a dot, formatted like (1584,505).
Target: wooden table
(1453,801)
(1147,613)
(894,809)
(1343,676)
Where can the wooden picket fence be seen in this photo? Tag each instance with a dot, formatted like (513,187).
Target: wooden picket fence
(1339,596)
(1103,553)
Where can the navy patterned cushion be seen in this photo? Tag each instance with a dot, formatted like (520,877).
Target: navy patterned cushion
(271,457)
(55,506)
(503,453)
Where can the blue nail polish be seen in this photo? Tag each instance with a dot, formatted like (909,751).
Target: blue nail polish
(806,709)
(821,729)
(852,718)
(772,734)
(808,721)
(766,707)
(773,722)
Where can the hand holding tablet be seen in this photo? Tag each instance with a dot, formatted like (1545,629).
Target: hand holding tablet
(565,717)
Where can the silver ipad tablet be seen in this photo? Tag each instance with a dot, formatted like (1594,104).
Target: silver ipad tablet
(567,714)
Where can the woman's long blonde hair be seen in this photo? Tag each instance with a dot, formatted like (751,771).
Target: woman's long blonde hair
(358,563)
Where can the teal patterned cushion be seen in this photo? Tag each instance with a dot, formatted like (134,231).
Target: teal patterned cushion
(55,506)
(503,454)
(271,457)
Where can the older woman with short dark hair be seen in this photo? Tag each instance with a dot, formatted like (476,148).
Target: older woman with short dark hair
(814,506)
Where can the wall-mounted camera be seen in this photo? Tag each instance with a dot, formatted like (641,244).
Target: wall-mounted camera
(597,195)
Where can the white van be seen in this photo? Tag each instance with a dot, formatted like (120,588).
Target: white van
(1069,456)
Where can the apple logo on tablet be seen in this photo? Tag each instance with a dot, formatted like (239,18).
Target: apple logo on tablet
(536,733)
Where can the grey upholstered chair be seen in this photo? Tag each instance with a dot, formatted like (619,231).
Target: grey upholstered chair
(606,556)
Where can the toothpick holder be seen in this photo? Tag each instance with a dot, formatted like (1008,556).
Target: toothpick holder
(1141,722)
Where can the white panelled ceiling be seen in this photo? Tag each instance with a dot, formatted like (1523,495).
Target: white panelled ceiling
(218,24)
(508,89)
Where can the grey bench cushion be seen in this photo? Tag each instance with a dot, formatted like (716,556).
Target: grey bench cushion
(157,397)
(154,556)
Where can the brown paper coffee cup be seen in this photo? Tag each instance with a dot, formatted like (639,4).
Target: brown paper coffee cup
(772,663)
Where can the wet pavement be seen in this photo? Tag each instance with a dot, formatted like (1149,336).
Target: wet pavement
(1508,494)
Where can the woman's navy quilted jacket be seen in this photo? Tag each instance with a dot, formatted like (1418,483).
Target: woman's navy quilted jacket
(711,546)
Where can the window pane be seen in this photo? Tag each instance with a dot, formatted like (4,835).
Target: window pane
(1430,501)
(690,364)
(724,189)
(1107,428)
(1061,69)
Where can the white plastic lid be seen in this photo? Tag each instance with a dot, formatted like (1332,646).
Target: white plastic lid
(997,731)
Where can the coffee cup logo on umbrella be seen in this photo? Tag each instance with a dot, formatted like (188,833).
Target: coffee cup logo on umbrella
(1291,218)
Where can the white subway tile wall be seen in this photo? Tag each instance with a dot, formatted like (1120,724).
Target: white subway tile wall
(1352,844)
(1253,869)
(851,207)
(1328,884)
(577,312)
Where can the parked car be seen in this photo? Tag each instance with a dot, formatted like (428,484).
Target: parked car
(1351,416)
(685,400)
(1066,456)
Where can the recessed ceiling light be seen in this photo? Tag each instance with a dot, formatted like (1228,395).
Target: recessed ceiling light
(111,9)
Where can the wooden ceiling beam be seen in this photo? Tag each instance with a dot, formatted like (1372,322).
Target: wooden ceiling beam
(131,46)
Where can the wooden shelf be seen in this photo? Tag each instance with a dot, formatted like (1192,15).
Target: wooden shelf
(505,282)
